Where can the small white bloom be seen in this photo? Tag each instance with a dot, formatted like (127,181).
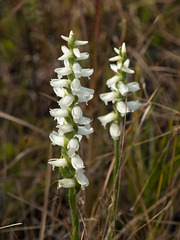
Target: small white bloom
(68,39)
(79,72)
(57,162)
(125,67)
(60,121)
(76,112)
(82,98)
(83,121)
(116,58)
(114,130)
(67,53)
(123,89)
(123,48)
(83,130)
(87,72)
(57,112)
(133,86)
(63,71)
(86,91)
(112,81)
(81,178)
(108,97)
(66,101)
(83,56)
(76,52)
(65,128)
(73,144)
(116,50)
(84,94)
(114,67)
(80,43)
(75,86)
(133,105)
(60,92)
(66,183)
(122,108)
(56,139)
(77,162)
(107,118)
(60,83)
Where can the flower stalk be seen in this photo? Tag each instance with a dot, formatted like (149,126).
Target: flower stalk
(71,124)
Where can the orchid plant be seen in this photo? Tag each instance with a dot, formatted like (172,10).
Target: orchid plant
(71,124)
(121,107)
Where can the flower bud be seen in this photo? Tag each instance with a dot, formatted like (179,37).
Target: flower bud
(114,131)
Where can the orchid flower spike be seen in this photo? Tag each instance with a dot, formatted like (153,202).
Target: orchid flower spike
(118,91)
(71,124)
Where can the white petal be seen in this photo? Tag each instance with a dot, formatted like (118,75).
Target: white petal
(87,72)
(123,89)
(57,112)
(86,91)
(66,101)
(113,67)
(116,50)
(122,108)
(77,162)
(67,39)
(78,42)
(66,63)
(112,81)
(84,131)
(127,70)
(133,86)
(81,178)
(67,53)
(85,99)
(114,131)
(60,92)
(65,128)
(56,139)
(75,86)
(63,71)
(76,112)
(83,56)
(76,52)
(77,70)
(123,48)
(107,118)
(60,120)
(133,105)
(126,63)
(71,152)
(73,144)
(108,97)
(66,183)
(57,162)
(116,58)
(60,82)
(83,121)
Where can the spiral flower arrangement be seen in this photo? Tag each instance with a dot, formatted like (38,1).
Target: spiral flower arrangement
(118,92)
(121,107)
(71,124)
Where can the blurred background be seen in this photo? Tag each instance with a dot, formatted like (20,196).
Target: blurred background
(30,43)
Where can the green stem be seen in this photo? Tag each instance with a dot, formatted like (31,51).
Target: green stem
(74,216)
(116,163)
(115,183)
